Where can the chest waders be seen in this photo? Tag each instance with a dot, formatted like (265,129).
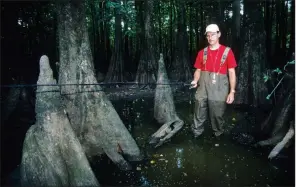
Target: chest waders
(211,97)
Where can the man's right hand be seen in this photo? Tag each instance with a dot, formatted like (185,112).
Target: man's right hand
(193,84)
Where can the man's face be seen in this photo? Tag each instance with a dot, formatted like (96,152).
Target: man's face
(212,37)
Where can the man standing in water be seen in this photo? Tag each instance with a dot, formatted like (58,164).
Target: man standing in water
(212,65)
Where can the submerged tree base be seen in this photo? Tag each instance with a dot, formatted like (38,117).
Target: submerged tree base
(52,154)
(164,109)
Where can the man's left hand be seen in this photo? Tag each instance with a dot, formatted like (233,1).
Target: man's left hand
(230,98)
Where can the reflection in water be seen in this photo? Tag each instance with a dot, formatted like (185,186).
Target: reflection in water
(145,181)
(179,155)
(194,162)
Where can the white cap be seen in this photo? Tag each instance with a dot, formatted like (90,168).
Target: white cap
(212,28)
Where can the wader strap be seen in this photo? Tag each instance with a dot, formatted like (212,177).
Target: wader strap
(205,54)
(224,56)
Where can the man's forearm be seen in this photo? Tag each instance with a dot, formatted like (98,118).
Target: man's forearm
(196,75)
(232,80)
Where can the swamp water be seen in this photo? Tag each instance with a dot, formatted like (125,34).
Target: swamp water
(185,161)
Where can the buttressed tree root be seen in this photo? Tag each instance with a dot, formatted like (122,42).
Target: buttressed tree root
(52,154)
(282,128)
(92,116)
(164,109)
(285,141)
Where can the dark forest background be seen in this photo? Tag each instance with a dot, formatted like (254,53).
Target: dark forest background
(126,38)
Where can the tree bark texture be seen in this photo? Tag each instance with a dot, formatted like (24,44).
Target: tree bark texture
(95,34)
(180,70)
(284,142)
(292,31)
(190,32)
(146,72)
(283,29)
(281,130)
(236,27)
(92,116)
(102,43)
(268,10)
(171,28)
(52,154)
(197,27)
(251,88)
(269,126)
(140,36)
(278,53)
(127,55)
(116,68)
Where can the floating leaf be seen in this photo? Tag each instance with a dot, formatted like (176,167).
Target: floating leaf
(156,155)
(268,97)
(152,162)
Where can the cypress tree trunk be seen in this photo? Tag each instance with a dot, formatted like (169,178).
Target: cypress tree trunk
(202,24)
(140,34)
(101,40)
(180,70)
(197,27)
(283,27)
(95,34)
(268,28)
(104,48)
(92,116)
(164,109)
(159,28)
(52,154)
(278,30)
(277,124)
(127,48)
(146,72)
(292,31)
(268,125)
(191,35)
(251,87)
(116,67)
(236,27)
(171,28)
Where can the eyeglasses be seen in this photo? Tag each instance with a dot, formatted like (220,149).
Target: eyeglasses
(211,35)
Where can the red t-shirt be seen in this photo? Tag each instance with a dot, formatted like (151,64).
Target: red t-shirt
(214,59)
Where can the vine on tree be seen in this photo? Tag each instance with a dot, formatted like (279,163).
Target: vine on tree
(268,76)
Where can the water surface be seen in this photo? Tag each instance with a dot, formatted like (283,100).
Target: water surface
(186,161)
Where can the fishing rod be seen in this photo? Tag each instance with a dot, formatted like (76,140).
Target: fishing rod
(95,84)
